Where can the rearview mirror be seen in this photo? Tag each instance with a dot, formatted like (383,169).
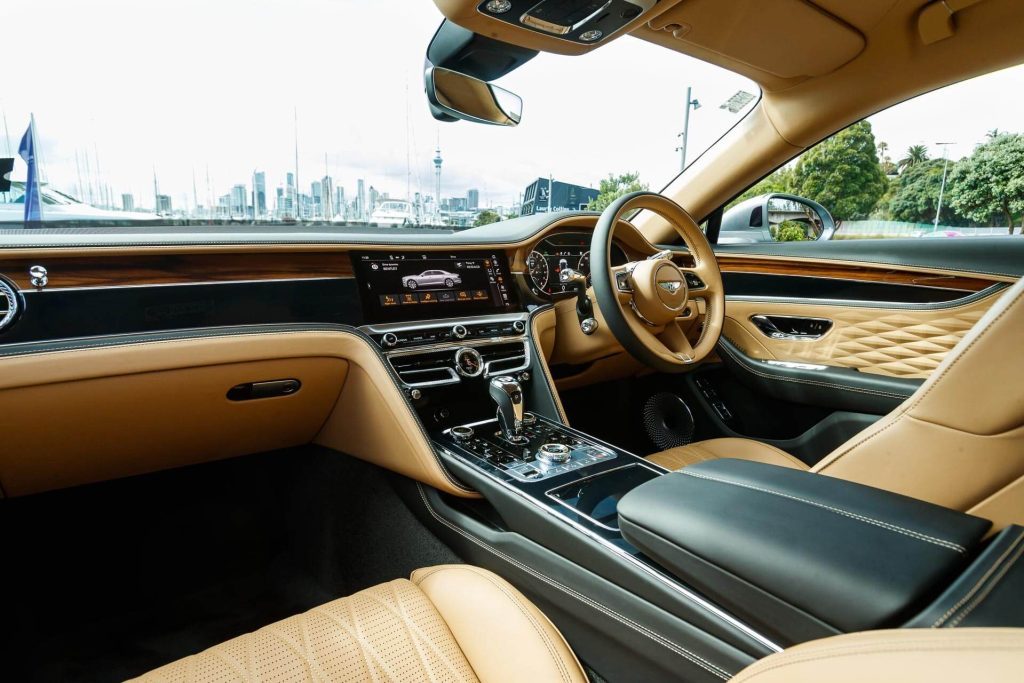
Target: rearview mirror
(459,96)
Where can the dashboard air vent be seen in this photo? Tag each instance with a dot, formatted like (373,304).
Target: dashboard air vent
(427,369)
(504,358)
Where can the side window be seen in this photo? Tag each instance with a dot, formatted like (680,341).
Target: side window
(943,165)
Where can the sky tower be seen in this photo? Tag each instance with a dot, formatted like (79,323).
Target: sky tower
(437,176)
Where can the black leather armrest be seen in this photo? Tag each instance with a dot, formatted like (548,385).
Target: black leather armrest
(800,555)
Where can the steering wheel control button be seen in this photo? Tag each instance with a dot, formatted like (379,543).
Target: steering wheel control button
(469,362)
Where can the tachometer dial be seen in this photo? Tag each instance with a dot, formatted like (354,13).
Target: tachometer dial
(584,265)
(537,266)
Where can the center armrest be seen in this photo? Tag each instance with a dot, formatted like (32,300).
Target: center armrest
(801,555)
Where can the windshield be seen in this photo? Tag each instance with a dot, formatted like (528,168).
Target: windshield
(302,111)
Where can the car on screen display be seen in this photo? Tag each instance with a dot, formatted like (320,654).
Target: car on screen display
(431,278)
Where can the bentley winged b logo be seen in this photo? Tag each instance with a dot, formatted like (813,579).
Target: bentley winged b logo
(670,286)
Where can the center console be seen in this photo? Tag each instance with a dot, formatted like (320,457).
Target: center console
(735,559)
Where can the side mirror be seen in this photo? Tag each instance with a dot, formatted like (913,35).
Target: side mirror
(797,219)
(455,95)
(776,217)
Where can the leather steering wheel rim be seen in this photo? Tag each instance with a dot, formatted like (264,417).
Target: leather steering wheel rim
(640,301)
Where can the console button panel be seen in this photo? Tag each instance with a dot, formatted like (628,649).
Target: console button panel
(520,461)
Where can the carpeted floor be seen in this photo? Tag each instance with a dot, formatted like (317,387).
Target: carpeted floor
(105,582)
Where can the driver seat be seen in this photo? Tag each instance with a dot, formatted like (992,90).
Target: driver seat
(958,441)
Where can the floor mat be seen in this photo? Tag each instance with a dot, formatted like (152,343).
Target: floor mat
(105,582)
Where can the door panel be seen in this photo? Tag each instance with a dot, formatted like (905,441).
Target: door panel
(908,341)
(895,310)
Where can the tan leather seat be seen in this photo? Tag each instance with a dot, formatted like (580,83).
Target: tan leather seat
(447,623)
(957,442)
(461,623)
(993,655)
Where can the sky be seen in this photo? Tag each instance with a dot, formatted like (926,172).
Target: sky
(212,88)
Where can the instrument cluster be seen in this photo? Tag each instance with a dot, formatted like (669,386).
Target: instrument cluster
(557,252)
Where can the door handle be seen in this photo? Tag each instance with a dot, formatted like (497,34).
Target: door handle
(791,328)
(266,389)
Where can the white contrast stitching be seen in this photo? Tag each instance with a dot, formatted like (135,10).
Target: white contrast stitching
(988,589)
(949,545)
(984,577)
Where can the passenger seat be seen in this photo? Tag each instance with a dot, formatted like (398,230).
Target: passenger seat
(456,623)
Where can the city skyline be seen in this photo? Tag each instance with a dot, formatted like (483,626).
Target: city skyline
(325,199)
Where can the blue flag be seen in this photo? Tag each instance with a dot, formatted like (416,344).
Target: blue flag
(27,151)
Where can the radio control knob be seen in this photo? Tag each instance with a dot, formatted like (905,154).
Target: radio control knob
(461,433)
(553,453)
(389,340)
(460,332)
(519,326)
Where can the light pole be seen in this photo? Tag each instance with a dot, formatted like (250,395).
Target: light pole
(942,187)
(685,135)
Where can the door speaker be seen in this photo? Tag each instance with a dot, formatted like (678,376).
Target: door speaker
(668,421)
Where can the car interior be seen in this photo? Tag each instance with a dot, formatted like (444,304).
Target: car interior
(569,446)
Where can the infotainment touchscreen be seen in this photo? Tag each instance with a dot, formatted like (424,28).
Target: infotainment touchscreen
(399,286)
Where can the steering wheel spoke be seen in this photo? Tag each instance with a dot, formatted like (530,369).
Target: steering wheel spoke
(675,341)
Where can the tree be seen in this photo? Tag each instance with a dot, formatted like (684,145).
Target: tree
(888,167)
(991,181)
(790,231)
(486,217)
(916,154)
(779,181)
(915,195)
(842,173)
(613,187)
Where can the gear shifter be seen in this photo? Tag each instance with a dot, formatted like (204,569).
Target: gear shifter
(508,394)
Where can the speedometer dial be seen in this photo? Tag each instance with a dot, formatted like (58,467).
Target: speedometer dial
(537,266)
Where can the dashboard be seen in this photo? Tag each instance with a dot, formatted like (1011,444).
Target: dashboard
(560,251)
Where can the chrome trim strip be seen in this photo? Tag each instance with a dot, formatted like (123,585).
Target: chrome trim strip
(52,289)
(671,583)
(452,345)
(857,303)
(848,279)
(381,328)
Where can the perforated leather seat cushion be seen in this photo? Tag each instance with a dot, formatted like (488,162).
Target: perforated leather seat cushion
(449,623)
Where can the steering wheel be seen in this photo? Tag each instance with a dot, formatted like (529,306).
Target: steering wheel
(642,300)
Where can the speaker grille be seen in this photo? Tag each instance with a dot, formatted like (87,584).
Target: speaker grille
(668,421)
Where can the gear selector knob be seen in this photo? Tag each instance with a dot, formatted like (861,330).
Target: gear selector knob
(508,394)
